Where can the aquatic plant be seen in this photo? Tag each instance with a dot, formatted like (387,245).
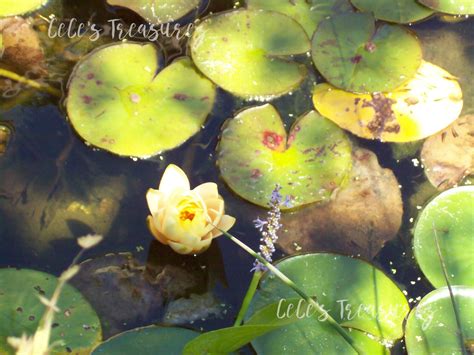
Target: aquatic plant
(454,7)
(399,11)
(355,55)
(241,51)
(186,220)
(256,153)
(15,7)
(118,102)
(158,12)
(426,104)
(29,333)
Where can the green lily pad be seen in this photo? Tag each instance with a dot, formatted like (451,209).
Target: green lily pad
(76,324)
(117,102)
(308,13)
(147,341)
(399,11)
(255,153)
(243,51)
(451,216)
(158,11)
(356,294)
(15,7)
(432,328)
(355,55)
(454,7)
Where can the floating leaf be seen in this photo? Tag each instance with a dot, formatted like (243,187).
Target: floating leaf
(356,294)
(256,153)
(117,102)
(15,7)
(448,157)
(432,328)
(147,341)
(308,13)
(450,215)
(399,11)
(423,106)
(454,7)
(244,51)
(158,12)
(76,325)
(355,55)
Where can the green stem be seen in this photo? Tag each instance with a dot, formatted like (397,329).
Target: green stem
(248,297)
(451,294)
(320,310)
(32,83)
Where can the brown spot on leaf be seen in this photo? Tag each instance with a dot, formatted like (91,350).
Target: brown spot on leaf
(87,99)
(256,174)
(384,119)
(370,47)
(356,59)
(90,76)
(180,97)
(272,140)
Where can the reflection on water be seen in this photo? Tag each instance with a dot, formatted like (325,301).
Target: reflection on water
(54,188)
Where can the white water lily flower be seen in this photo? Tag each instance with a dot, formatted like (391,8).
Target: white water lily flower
(186,220)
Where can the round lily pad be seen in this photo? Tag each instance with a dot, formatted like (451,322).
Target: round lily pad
(147,341)
(450,215)
(247,53)
(355,55)
(308,13)
(15,7)
(454,7)
(356,294)
(255,153)
(157,12)
(118,102)
(399,11)
(425,105)
(76,324)
(432,328)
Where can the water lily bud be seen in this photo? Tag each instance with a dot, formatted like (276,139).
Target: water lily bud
(186,220)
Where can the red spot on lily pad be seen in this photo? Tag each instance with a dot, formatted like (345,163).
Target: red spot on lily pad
(87,99)
(272,140)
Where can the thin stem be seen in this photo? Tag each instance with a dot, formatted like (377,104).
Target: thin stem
(451,293)
(320,310)
(248,297)
(32,83)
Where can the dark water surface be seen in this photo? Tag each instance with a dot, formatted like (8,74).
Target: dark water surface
(50,180)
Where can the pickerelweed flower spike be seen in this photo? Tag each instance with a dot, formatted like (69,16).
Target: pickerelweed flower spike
(270,227)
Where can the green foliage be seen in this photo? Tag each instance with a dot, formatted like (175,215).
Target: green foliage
(157,12)
(117,102)
(355,55)
(76,324)
(432,328)
(450,215)
(19,7)
(151,340)
(454,7)
(245,52)
(255,153)
(399,11)
(358,295)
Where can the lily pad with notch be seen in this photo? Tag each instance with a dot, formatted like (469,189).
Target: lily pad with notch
(428,103)
(398,11)
(15,7)
(432,328)
(448,222)
(453,7)
(158,12)
(308,13)
(246,52)
(255,153)
(360,297)
(354,54)
(76,326)
(119,103)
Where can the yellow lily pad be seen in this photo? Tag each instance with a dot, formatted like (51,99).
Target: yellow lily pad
(19,7)
(422,107)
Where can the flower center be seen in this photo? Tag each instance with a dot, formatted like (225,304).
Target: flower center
(187,215)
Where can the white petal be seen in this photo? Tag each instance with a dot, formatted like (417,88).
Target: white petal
(226,223)
(174,178)
(153,198)
(207,191)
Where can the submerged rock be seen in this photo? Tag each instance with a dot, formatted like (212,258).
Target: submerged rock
(448,157)
(358,221)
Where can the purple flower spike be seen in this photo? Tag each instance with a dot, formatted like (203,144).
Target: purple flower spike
(259,224)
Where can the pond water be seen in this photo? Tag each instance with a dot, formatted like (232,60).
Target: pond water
(54,188)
